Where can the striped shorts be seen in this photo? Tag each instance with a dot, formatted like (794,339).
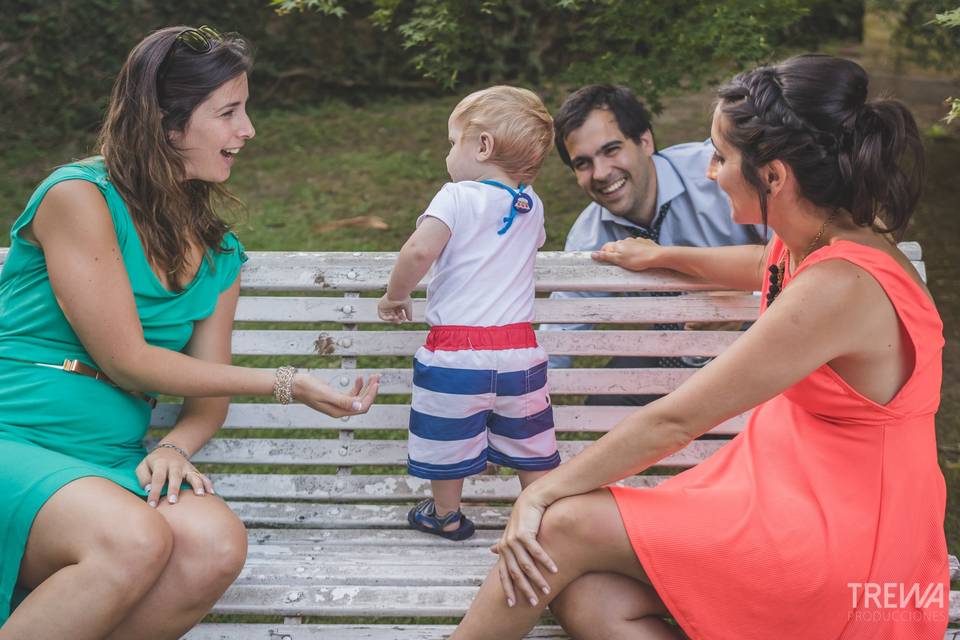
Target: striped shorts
(479,395)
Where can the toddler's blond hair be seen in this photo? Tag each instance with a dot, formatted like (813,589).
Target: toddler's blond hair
(520,124)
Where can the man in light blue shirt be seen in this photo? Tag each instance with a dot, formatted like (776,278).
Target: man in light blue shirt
(603,133)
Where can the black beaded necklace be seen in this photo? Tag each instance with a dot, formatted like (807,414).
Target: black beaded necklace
(778,270)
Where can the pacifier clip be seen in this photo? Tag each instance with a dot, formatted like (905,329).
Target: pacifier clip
(522,203)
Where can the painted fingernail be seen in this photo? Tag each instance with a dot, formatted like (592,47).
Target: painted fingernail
(554,568)
(533,601)
(153,503)
(510,602)
(199,492)
(172,499)
(357,405)
(146,488)
(546,591)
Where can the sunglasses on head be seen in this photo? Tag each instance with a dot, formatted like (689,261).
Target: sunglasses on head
(201,39)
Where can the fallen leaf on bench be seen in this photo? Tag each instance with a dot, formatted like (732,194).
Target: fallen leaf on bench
(365,222)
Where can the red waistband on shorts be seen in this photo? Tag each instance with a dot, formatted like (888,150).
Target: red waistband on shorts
(460,338)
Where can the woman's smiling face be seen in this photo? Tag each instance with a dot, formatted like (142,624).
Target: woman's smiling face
(217,130)
(726,171)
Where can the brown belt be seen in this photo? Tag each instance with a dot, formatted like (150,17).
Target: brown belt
(75,366)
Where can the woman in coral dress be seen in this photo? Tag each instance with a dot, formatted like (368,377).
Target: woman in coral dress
(824,518)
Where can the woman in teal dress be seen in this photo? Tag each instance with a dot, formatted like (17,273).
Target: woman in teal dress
(120,267)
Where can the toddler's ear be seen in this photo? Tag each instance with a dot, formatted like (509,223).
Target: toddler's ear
(485,150)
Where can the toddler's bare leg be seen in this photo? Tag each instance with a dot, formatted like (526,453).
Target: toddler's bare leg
(527,477)
(446,495)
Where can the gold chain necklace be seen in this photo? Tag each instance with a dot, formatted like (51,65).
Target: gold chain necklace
(778,270)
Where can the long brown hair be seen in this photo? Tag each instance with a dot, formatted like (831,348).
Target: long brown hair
(158,88)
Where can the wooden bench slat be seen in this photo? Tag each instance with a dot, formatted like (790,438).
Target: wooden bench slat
(405,343)
(911,249)
(226,631)
(349,516)
(342,601)
(354,488)
(392,538)
(731,306)
(562,381)
(346,271)
(567,418)
(379,452)
(322,600)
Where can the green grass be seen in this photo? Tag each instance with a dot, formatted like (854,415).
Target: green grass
(333,161)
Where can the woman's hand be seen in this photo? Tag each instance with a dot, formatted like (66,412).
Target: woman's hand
(317,394)
(165,466)
(635,254)
(520,552)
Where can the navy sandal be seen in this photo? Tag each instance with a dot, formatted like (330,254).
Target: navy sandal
(423,517)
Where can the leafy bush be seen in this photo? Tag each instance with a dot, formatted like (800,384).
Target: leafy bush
(58,59)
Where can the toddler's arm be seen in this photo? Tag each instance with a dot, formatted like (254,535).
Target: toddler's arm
(417,255)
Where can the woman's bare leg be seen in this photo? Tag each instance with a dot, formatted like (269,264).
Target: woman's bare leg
(610,606)
(582,534)
(93,552)
(209,549)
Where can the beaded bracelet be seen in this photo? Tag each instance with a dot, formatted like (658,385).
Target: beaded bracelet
(170,445)
(283,384)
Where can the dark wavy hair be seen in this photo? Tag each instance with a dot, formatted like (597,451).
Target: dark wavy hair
(632,117)
(812,113)
(158,88)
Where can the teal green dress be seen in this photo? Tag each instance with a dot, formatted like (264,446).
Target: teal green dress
(57,426)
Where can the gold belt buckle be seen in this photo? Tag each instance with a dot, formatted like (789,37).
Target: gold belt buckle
(75,366)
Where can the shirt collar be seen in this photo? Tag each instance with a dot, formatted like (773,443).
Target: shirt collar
(669,186)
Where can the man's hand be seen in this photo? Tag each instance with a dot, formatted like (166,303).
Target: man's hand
(395,311)
(635,254)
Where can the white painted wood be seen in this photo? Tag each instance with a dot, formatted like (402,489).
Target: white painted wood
(378,452)
(344,271)
(291,260)
(349,516)
(567,418)
(331,600)
(352,601)
(371,488)
(212,631)
(397,539)
(562,381)
(406,343)
(693,307)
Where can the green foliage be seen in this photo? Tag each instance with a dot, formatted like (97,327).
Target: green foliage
(58,59)
(927,32)
(951,20)
(653,46)
(919,30)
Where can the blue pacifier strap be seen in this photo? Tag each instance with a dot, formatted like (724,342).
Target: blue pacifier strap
(518,197)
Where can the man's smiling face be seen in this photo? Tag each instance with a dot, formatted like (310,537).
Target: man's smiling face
(615,171)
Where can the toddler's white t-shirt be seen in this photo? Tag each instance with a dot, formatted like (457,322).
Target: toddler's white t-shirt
(482,279)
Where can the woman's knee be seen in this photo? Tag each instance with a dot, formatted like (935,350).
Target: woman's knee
(581,520)
(211,550)
(134,552)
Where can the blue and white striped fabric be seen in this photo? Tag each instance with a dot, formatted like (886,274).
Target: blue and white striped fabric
(470,407)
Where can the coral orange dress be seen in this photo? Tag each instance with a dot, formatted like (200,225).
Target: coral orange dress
(824,518)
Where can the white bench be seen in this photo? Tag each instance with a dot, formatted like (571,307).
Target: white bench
(328,535)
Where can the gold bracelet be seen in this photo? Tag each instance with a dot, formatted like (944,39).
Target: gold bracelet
(283,384)
(170,445)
